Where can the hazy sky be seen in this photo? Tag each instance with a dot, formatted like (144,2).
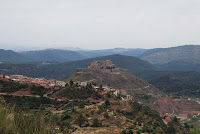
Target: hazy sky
(98,24)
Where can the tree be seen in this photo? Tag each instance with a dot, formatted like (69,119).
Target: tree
(107,103)
(106,115)
(81,120)
(67,85)
(186,126)
(71,83)
(171,129)
(65,116)
(108,95)
(64,125)
(96,123)
(77,85)
(136,107)
(130,132)
(124,131)
(175,120)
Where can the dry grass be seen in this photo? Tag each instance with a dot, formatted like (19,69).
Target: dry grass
(102,130)
(12,122)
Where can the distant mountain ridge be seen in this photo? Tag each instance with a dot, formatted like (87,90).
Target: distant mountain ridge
(181,65)
(154,56)
(142,68)
(182,58)
(53,55)
(133,64)
(58,55)
(165,55)
(60,70)
(9,56)
(121,51)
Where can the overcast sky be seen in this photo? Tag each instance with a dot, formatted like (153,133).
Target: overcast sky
(99,24)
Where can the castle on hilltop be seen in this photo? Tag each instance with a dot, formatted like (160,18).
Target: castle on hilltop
(105,65)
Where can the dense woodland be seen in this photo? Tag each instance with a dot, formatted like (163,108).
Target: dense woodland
(177,87)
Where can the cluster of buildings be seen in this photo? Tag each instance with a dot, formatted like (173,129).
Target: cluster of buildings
(36,81)
(166,118)
(50,83)
(122,92)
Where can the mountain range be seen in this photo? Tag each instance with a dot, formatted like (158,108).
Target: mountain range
(155,56)
(53,55)
(9,56)
(61,70)
(177,62)
(166,55)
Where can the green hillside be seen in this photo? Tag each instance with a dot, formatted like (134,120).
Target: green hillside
(9,56)
(58,55)
(186,76)
(176,87)
(161,56)
(53,55)
(137,66)
(42,115)
(181,65)
(61,70)
(133,64)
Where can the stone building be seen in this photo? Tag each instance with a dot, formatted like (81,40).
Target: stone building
(98,66)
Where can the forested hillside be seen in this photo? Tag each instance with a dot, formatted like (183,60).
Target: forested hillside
(9,56)
(176,87)
(53,55)
(60,70)
(181,65)
(165,55)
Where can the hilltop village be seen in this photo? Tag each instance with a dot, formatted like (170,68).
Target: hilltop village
(55,83)
(36,81)
(98,66)
(87,90)
(119,99)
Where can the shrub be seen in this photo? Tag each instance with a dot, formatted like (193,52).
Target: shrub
(106,115)
(96,123)
(130,132)
(12,122)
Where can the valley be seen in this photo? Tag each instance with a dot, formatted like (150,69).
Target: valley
(99,67)
(75,88)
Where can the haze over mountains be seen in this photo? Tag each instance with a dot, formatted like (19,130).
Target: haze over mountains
(175,62)
(57,55)
(154,56)
(182,58)
(53,55)
(165,55)
(9,56)
(149,76)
